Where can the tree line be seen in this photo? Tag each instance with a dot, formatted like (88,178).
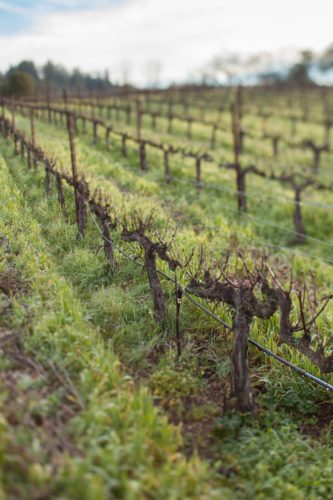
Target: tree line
(27,79)
(237,68)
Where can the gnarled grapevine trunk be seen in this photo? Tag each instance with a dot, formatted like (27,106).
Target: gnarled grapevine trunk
(155,286)
(240,371)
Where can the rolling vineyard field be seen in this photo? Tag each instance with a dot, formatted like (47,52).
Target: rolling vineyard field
(157,250)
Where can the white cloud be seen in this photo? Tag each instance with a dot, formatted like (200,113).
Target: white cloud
(181,34)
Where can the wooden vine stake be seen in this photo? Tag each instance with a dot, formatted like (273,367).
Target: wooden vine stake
(13,115)
(179,295)
(83,198)
(167,172)
(240,174)
(213,137)
(70,129)
(95,132)
(128,115)
(65,98)
(48,105)
(138,119)
(123,145)
(198,174)
(22,148)
(33,136)
(143,156)
(3,116)
(107,137)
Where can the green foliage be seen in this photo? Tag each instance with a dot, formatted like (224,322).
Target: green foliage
(27,67)
(292,395)
(125,448)
(299,75)
(172,380)
(101,330)
(50,77)
(19,84)
(277,463)
(56,78)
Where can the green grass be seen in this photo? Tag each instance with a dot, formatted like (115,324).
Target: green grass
(101,331)
(126,185)
(125,448)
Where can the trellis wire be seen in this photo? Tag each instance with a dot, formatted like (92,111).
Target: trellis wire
(187,291)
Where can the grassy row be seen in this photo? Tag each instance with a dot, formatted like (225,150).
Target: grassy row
(125,448)
(120,428)
(267,207)
(128,190)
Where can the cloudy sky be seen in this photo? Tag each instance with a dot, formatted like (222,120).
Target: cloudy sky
(130,35)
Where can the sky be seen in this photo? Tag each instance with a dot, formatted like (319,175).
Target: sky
(129,37)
